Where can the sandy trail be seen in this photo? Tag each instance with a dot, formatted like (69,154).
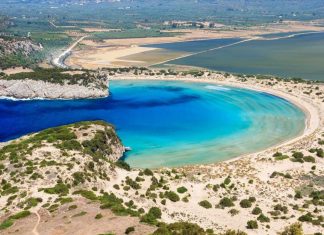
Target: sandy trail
(59,61)
(34,231)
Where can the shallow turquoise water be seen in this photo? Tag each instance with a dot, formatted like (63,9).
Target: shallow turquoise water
(301,56)
(169,123)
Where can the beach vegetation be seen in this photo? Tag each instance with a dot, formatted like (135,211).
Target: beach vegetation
(245,203)
(11,219)
(263,219)
(281,208)
(133,184)
(59,188)
(298,195)
(82,213)
(123,165)
(309,159)
(205,204)
(226,202)
(156,212)
(172,196)
(72,207)
(308,217)
(279,156)
(294,229)
(152,216)
(182,189)
(148,172)
(6,224)
(181,228)
(256,211)
(130,230)
(234,232)
(87,194)
(252,224)
(64,200)
(233,212)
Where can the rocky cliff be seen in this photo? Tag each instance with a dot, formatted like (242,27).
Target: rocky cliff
(54,85)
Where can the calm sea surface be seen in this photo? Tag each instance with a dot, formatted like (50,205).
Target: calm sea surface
(301,56)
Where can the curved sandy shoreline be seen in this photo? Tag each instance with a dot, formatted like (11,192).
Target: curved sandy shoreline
(312,117)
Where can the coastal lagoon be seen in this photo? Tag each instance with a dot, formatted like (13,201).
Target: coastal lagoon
(169,123)
(300,56)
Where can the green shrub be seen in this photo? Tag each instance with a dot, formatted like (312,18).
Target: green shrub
(263,219)
(233,232)
(180,228)
(79,178)
(98,216)
(148,172)
(172,196)
(59,188)
(245,203)
(182,189)
(156,212)
(233,212)
(9,222)
(123,165)
(227,180)
(298,155)
(298,195)
(281,208)
(309,159)
(226,202)
(294,229)
(6,224)
(205,204)
(256,211)
(20,215)
(306,218)
(133,184)
(252,224)
(129,230)
(87,194)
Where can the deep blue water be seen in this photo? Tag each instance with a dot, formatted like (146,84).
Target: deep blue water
(168,123)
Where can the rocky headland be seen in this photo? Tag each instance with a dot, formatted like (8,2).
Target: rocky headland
(53,84)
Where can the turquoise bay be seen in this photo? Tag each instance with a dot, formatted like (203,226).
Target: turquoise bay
(169,123)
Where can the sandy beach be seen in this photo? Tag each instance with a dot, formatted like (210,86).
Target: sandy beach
(257,166)
(312,113)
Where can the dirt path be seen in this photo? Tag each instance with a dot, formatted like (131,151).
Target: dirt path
(59,61)
(34,231)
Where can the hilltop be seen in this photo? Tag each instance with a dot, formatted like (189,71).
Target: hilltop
(15,52)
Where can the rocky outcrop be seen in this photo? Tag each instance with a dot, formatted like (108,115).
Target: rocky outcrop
(31,89)
(54,84)
(14,46)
